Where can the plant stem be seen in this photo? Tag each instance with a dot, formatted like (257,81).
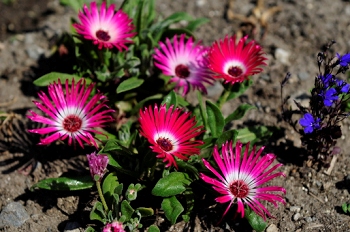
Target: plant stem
(98,185)
(224,96)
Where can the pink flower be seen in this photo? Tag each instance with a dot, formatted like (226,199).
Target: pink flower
(170,133)
(98,165)
(105,27)
(114,227)
(185,61)
(242,179)
(71,114)
(235,62)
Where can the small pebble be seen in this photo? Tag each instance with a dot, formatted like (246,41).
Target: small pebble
(272,228)
(296,216)
(295,209)
(308,219)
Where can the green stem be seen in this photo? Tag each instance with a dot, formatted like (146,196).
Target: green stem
(224,96)
(98,184)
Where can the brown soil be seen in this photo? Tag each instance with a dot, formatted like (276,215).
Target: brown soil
(29,30)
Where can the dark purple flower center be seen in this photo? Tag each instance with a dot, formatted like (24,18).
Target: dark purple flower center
(182,71)
(102,35)
(239,188)
(165,144)
(72,123)
(235,71)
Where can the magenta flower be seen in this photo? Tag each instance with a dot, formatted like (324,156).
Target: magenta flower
(105,27)
(71,114)
(185,61)
(235,62)
(114,227)
(98,164)
(242,179)
(170,133)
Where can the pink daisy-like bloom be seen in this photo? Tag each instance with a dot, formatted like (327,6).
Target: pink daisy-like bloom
(71,113)
(242,179)
(98,165)
(235,62)
(185,61)
(105,28)
(114,227)
(170,132)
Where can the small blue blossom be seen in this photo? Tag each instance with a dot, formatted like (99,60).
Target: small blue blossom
(309,123)
(326,80)
(344,60)
(329,96)
(344,87)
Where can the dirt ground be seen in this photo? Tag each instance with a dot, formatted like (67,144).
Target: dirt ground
(294,35)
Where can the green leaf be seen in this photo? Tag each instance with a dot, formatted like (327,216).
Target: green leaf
(256,222)
(172,184)
(239,112)
(194,24)
(110,183)
(129,84)
(145,212)
(170,99)
(97,212)
(126,210)
(226,136)
(89,229)
(171,32)
(238,88)
(54,76)
(345,207)
(153,228)
(65,183)
(216,121)
(139,105)
(175,18)
(253,134)
(76,4)
(202,110)
(172,208)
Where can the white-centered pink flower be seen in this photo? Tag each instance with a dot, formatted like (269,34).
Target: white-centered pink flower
(243,178)
(105,27)
(72,113)
(235,62)
(185,61)
(170,132)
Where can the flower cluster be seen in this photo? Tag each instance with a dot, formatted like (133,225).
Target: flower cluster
(191,64)
(113,54)
(320,121)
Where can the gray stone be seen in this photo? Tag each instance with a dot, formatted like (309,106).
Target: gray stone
(282,56)
(295,209)
(303,76)
(272,228)
(296,216)
(13,214)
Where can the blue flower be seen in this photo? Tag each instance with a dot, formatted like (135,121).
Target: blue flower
(344,60)
(344,87)
(329,96)
(326,80)
(309,123)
